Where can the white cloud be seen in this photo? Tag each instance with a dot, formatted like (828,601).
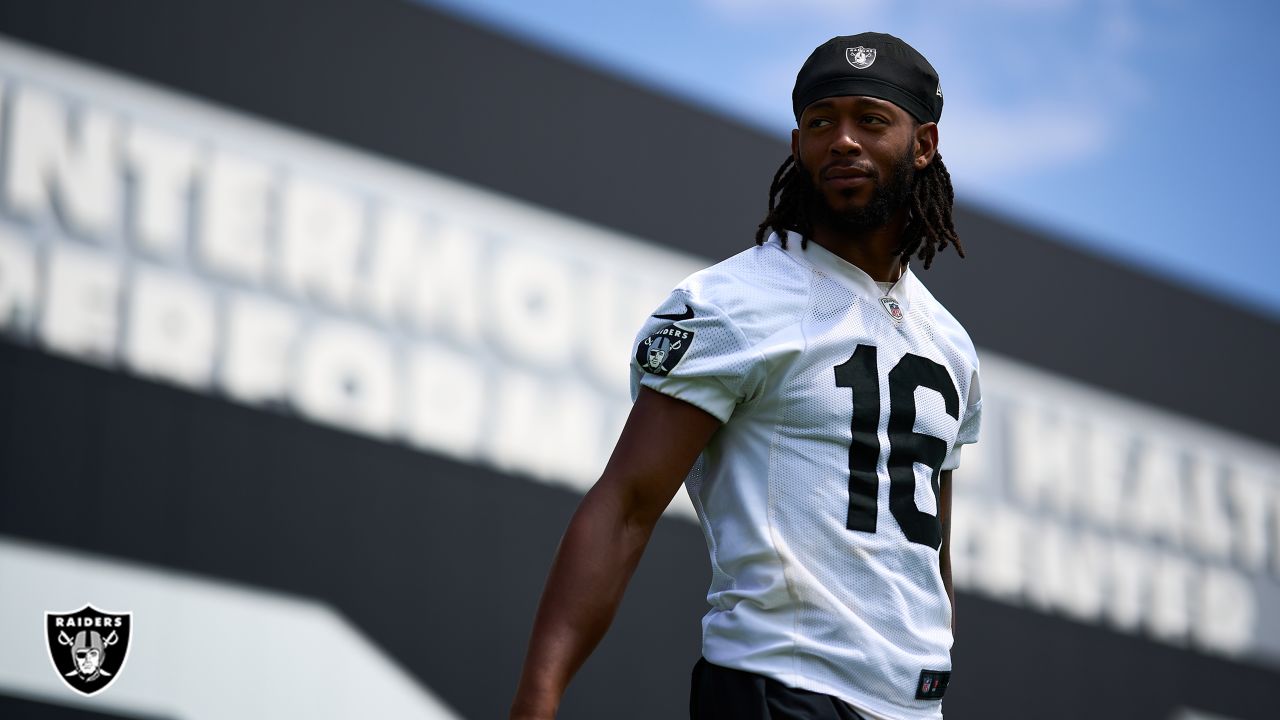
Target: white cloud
(1033,86)
(983,144)
(772,9)
(1026,5)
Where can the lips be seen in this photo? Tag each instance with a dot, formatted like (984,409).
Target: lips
(845,172)
(846,178)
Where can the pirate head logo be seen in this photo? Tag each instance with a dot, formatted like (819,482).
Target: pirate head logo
(659,353)
(659,349)
(860,57)
(88,647)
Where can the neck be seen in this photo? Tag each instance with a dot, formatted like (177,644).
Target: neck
(872,250)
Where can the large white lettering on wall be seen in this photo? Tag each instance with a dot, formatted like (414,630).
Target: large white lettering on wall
(1096,508)
(189,247)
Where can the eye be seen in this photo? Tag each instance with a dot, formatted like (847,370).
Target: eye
(874,119)
(819,122)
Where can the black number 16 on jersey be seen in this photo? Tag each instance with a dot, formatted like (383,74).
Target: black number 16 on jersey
(906,447)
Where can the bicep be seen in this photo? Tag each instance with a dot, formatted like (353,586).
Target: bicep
(661,440)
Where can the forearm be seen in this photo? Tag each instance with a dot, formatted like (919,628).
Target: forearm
(946,582)
(596,558)
(944,551)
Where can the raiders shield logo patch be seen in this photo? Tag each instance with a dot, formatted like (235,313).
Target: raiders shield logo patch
(860,57)
(88,647)
(659,353)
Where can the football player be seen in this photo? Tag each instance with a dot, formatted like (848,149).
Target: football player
(813,397)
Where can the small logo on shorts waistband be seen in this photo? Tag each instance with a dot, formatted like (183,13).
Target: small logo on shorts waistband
(933,684)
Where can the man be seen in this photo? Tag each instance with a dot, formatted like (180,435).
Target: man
(813,396)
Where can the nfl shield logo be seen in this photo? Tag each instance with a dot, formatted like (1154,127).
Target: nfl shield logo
(860,57)
(892,307)
(88,647)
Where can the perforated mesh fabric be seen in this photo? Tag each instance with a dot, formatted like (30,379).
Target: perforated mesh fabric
(796,595)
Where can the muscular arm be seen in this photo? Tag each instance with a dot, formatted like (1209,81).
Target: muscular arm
(944,558)
(603,544)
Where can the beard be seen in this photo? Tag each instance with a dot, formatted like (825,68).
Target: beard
(888,196)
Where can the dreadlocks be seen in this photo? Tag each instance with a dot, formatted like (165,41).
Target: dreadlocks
(928,231)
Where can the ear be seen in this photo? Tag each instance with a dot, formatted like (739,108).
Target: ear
(926,142)
(795,143)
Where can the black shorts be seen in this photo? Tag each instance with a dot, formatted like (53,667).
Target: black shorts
(721,693)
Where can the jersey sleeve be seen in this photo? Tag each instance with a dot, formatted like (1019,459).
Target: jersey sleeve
(691,350)
(970,424)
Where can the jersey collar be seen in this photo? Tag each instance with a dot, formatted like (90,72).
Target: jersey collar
(846,273)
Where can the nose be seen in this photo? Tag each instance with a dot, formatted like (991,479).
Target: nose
(846,142)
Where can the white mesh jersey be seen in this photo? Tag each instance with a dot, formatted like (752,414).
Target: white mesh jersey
(818,495)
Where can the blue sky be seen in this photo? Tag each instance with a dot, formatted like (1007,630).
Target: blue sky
(1143,131)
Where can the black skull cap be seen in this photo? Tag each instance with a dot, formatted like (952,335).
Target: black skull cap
(873,64)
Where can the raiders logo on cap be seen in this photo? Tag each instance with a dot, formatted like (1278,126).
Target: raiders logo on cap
(873,64)
(860,57)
